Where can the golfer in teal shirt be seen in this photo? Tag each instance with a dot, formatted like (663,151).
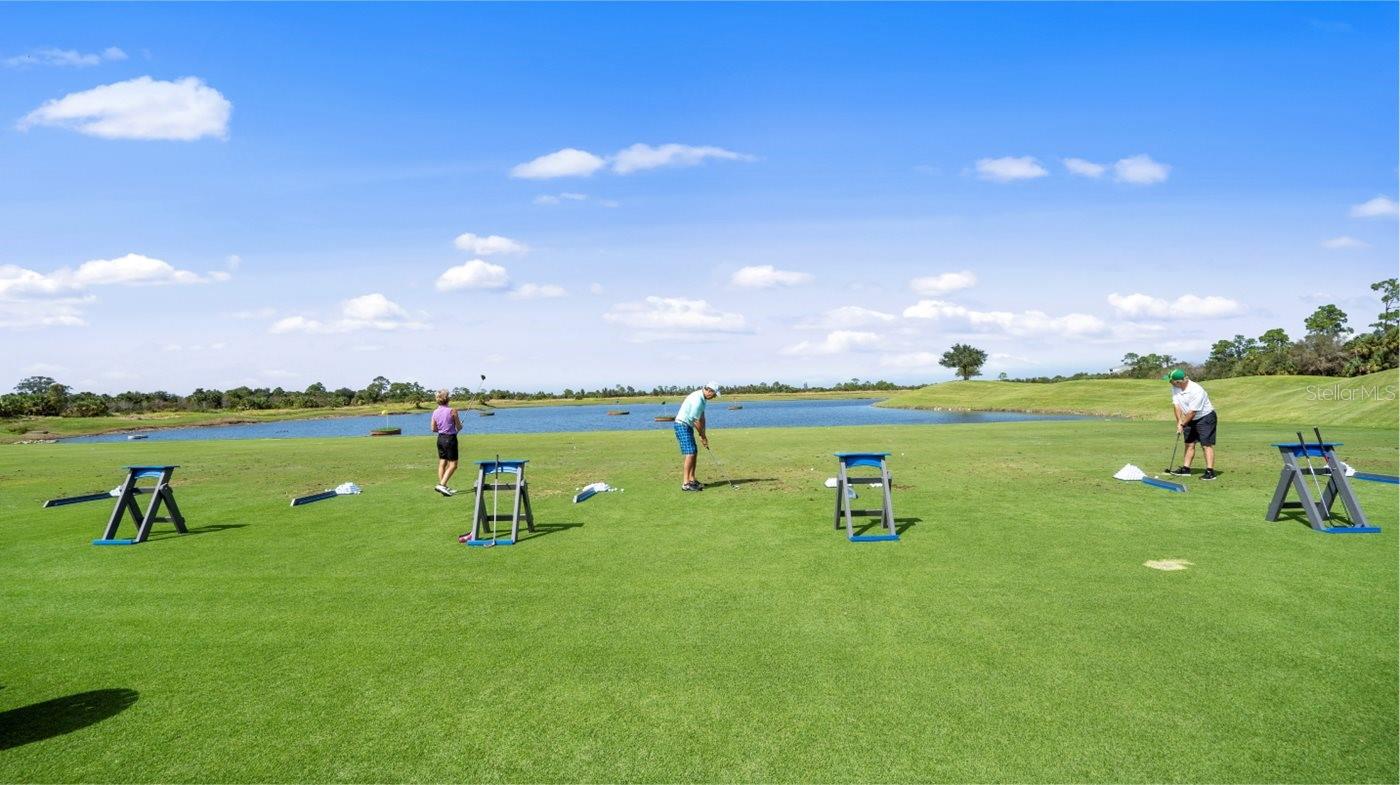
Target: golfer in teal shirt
(690,422)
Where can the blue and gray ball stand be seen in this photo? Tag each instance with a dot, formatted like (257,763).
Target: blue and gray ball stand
(874,460)
(520,503)
(126,503)
(1319,511)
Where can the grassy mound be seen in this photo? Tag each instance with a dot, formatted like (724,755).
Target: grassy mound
(1305,400)
(1013,635)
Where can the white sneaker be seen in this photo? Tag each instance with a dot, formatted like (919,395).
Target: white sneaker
(442,489)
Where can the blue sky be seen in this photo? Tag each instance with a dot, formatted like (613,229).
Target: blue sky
(218,194)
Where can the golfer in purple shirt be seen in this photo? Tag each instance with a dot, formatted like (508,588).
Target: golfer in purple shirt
(446,424)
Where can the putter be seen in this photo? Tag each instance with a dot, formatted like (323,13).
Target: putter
(1322,508)
(720,464)
(1175,443)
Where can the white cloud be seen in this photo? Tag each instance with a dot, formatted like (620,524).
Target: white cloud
(1187,306)
(934,285)
(640,157)
(234,261)
(572,162)
(1023,323)
(568,162)
(765,276)
(1343,242)
(1084,168)
(548,199)
(489,245)
(64,58)
(911,360)
(836,342)
(475,274)
(373,308)
(1009,169)
(848,316)
(674,317)
(595,288)
(1379,207)
(20,314)
(130,270)
(133,269)
(1003,360)
(366,312)
(1140,170)
(141,108)
(535,291)
(295,324)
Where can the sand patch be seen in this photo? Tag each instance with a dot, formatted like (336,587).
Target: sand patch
(1168,565)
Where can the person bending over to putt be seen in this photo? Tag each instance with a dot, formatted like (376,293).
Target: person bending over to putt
(1195,421)
(690,422)
(446,424)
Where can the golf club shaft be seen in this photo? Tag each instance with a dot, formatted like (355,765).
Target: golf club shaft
(1176,442)
(1316,487)
(1318,434)
(723,472)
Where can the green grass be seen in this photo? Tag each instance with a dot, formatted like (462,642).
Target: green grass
(47,428)
(1304,400)
(1013,635)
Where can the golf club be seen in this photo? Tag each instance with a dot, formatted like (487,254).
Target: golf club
(1316,487)
(1176,442)
(1318,434)
(495,485)
(720,465)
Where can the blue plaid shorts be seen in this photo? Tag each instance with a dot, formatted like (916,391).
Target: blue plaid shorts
(685,434)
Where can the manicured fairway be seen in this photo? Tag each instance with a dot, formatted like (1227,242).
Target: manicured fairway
(1013,635)
(1366,401)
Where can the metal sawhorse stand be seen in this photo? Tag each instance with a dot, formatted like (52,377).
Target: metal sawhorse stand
(126,503)
(875,460)
(520,504)
(1319,511)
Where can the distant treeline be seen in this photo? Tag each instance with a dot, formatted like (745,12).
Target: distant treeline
(42,396)
(1329,348)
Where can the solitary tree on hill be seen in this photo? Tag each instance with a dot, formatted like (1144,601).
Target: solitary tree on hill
(965,359)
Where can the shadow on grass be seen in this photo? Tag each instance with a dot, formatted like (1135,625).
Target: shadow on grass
(56,717)
(171,534)
(745,481)
(901,525)
(1298,515)
(544,529)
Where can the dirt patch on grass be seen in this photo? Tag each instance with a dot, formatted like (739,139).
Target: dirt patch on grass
(1168,565)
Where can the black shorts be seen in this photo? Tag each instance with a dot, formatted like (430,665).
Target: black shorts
(447,446)
(1202,431)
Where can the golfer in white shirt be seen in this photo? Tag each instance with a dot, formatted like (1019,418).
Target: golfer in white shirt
(1195,421)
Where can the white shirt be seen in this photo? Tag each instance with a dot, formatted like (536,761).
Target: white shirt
(1192,398)
(692,408)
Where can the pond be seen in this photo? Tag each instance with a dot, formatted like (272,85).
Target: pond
(550,419)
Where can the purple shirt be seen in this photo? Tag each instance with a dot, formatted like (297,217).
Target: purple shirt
(443,421)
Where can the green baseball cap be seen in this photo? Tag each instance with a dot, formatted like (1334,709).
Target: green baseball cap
(1174,376)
